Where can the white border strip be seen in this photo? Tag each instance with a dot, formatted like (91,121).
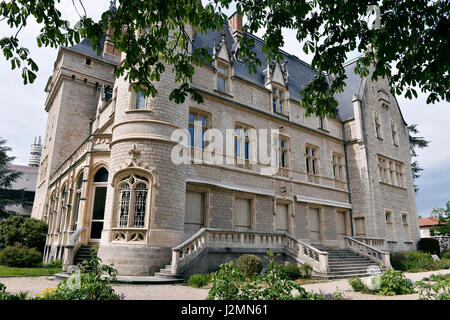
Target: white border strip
(325,202)
(232,187)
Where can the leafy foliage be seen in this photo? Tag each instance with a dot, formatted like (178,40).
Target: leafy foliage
(199,280)
(416,261)
(24,231)
(7,177)
(294,272)
(437,289)
(414,143)
(92,282)
(20,257)
(156,37)
(249,264)
(10,296)
(392,283)
(429,245)
(231,284)
(443,214)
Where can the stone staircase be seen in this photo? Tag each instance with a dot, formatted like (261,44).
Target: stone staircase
(166,273)
(83,253)
(344,263)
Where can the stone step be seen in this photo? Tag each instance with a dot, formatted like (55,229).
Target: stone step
(134,279)
(167,276)
(348,264)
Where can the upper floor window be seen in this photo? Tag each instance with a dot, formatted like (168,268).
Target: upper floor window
(338,167)
(222,76)
(322,123)
(198,124)
(281,151)
(241,142)
(278,98)
(312,160)
(378,125)
(394,131)
(391,172)
(140,101)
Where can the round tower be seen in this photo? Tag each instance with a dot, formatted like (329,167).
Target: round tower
(144,214)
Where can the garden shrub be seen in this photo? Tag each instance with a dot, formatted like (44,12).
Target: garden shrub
(414,261)
(199,280)
(54,264)
(24,231)
(437,287)
(249,265)
(92,282)
(446,254)
(357,284)
(231,284)
(21,257)
(294,272)
(394,283)
(429,245)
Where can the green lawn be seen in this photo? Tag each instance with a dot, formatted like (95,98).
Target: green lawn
(9,271)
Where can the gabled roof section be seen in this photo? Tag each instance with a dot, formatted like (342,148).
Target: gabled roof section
(300,73)
(85,47)
(353,84)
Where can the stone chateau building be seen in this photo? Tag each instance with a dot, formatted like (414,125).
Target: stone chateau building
(106,175)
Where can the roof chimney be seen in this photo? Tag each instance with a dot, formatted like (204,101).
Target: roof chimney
(235,22)
(109,47)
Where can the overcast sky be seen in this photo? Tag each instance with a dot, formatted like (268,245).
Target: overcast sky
(22,114)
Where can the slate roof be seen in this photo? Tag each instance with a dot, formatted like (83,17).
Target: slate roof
(353,82)
(85,47)
(300,73)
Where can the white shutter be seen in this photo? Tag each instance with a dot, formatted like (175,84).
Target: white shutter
(281,218)
(243,214)
(314,224)
(360,227)
(341,229)
(194,216)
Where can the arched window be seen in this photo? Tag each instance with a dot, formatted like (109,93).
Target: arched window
(77,201)
(62,209)
(50,208)
(101,175)
(132,201)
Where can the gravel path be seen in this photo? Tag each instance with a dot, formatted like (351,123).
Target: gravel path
(35,285)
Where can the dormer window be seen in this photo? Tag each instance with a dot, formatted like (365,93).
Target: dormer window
(278,100)
(222,76)
(140,101)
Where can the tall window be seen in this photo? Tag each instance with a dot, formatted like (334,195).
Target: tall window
(281,151)
(133,201)
(62,209)
(278,100)
(77,201)
(197,136)
(312,160)
(140,101)
(322,123)
(338,167)
(241,142)
(394,132)
(378,125)
(222,76)
(391,172)
(389,224)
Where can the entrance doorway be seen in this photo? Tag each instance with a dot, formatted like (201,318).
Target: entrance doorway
(98,204)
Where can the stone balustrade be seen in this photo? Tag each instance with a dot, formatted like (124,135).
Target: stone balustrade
(368,251)
(373,242)
(189,250)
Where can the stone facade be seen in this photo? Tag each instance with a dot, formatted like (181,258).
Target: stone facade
(106,174)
